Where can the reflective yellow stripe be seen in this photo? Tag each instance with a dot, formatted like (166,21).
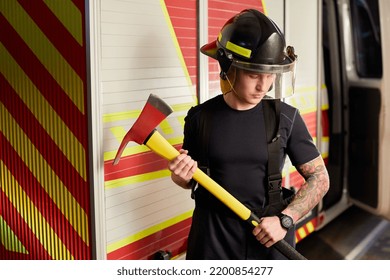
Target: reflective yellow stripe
(69,15)
(8,238)
(238,50)
(176,42)
(301,232)
(131,149)
(119,131)
(134,148)
(117,183)
(166,127)
(310,227)
(48,55)
(42,171)
(33,218)
(44,112)
(113,117)
(264,7)
(107,118)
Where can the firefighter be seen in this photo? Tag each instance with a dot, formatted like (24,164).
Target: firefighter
(226,137)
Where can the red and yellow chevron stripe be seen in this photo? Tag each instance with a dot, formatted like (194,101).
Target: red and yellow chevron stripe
(44,188)
(305,230)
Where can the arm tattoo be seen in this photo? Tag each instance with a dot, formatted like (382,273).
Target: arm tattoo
(312,190)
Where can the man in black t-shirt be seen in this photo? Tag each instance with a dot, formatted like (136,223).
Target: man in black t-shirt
(254,67)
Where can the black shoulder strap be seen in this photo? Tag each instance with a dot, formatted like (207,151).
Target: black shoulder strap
(271,109)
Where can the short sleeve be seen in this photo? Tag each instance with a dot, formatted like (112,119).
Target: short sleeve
(188,130)
(191,138)
(300,146)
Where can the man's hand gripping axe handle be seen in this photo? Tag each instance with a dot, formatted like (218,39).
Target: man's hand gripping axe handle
(143,132)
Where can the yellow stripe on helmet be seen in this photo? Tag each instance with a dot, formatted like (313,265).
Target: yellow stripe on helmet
(238,50)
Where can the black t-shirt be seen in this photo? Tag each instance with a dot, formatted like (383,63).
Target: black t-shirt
(237,157)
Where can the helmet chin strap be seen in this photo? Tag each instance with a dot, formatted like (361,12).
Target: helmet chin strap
(226,84)
(231,87)
(232,90)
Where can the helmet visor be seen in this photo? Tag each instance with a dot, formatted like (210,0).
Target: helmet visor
(283,85)
(284,82)
(266,68)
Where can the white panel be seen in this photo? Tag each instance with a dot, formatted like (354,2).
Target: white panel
(384,153)
(148,84)
(301,33)
(122,97)
(138,51)
(132,7)
(142,73)
(96,157)
(274,9)
(136,62)
(139,56)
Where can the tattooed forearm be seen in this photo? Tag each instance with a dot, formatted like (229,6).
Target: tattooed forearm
(312,190)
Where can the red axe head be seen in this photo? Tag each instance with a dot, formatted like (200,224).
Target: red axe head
(154,112)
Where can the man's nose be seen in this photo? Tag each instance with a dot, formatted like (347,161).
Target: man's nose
(262,83)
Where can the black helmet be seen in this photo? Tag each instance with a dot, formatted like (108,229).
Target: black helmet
(252,41)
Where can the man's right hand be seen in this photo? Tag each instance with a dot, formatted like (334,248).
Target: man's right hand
(183,168)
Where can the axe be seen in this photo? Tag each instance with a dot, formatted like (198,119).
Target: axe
(143,132)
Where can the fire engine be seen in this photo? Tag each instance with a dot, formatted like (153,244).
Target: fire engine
(76,74)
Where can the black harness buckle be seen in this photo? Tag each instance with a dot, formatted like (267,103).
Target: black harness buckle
(275,182)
